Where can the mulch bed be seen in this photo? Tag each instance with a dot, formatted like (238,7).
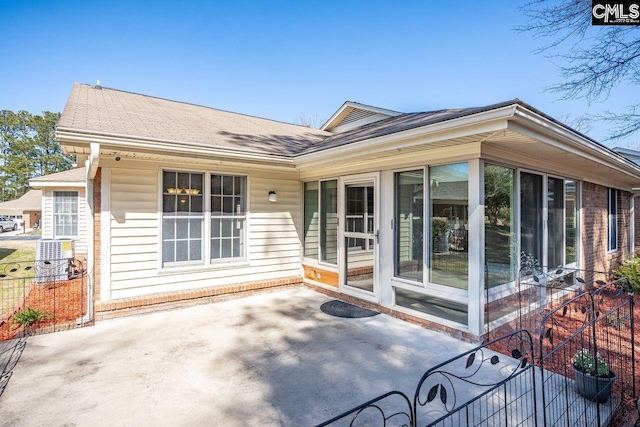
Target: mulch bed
(62,302)
(613,340)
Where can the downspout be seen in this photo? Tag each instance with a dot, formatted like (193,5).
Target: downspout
(91,168)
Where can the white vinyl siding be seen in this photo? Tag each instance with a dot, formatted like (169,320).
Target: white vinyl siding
(273,239)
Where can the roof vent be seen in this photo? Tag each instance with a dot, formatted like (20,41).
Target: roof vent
(97,86)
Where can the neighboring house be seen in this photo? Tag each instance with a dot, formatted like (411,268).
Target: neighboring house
(28,207)
(186,202)
(64,206)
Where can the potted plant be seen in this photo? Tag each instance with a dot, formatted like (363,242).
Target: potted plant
(593,378)
(439,229)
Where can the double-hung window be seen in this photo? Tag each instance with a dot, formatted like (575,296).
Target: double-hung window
(202,224)
(65,214)
(228,216)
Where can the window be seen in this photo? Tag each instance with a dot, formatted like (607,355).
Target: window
(409,224)
(321,221)
(311,219)
(571,218)
(499,225)
(65,214)
(449,207)
(228,216)
(182,216)
(556,224)
(184,211)
(612,214)
(329,221)
(531,218)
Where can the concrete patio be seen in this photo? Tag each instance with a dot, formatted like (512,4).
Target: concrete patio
(270,359)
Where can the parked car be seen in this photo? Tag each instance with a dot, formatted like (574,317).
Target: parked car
(7,224)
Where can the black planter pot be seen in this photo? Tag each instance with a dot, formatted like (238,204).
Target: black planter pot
(596,389)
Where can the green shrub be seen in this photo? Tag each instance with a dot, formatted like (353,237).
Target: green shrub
(28,317)
(631,270)
(586,362)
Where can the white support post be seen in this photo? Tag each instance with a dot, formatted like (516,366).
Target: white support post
(476,248)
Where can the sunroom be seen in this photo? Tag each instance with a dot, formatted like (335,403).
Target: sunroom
(429,215)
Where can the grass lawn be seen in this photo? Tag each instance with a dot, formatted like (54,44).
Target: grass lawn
(12,286)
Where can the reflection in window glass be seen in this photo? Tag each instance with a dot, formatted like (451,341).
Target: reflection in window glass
(65,214)
(555,222)
(311,219)
(409,224)
(228,223)
(449,207)
(612,214)
(570,190)
(182,216)
(531,214)
(438,307)
(499,225)
(329,221)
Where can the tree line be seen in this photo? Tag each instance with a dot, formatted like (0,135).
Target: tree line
(28,149)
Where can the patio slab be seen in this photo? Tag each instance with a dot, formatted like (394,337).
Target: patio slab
(270,359)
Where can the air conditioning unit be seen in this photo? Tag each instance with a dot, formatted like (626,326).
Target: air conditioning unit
(52,259)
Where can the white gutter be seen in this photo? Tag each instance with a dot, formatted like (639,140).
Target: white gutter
(570,141)
(91,165)
(171,147)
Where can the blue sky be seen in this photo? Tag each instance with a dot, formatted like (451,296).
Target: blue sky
(281,59)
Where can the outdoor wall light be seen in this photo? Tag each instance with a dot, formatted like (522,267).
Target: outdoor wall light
(273,197)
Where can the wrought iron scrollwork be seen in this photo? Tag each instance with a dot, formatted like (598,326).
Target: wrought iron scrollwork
(376,413)
(477,371)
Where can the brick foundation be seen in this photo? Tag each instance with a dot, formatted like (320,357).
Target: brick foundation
(173,300)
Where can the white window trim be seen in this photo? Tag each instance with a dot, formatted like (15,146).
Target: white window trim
(206,263)
(609,214)
(77,214)
(317,261)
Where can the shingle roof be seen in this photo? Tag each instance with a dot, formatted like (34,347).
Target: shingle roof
(30,201)
(72,175)
(402,122)
(101,110)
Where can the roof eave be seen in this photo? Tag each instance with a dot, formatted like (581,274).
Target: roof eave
(495,117)
(555,133)
(83,138)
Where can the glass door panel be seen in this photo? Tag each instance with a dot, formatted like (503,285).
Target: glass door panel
(360,235)
(360,264)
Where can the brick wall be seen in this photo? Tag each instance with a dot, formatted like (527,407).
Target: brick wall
(595,228)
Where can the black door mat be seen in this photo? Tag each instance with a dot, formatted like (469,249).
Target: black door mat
(344,309)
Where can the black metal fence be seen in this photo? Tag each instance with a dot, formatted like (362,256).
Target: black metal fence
(42,296)
(516,381)
(597,324)
(478,387)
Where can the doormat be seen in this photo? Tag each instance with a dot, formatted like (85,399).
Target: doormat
(344,309)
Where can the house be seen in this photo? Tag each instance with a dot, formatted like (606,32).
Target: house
(27,207)
(422,215)
(64,206)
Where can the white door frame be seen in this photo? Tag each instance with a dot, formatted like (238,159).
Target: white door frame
(366,178)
